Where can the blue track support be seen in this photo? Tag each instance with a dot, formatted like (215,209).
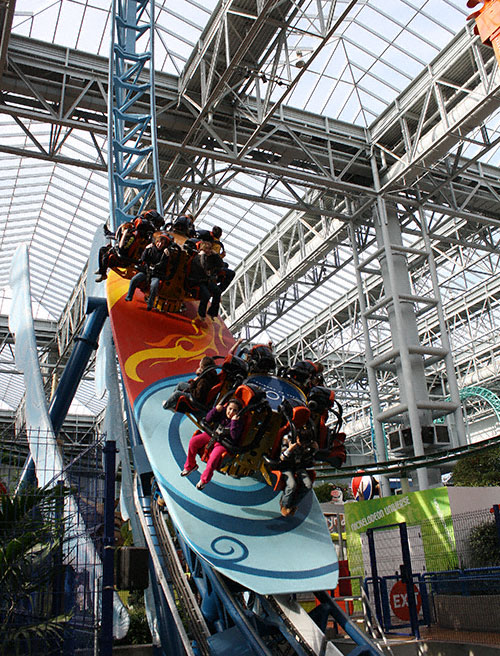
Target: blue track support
(106,641)
(133,168)
(365,645)
(217,604)
(86,342)
(170,642)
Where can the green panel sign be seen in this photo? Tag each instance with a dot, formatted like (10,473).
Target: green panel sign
(429,509)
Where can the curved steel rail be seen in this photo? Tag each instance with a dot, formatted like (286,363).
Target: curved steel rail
(475,391)
(413,462)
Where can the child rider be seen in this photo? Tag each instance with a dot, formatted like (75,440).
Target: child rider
(296,457)
(229,427)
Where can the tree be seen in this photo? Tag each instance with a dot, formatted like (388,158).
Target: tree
(477,470)
(31,535)
(484,545)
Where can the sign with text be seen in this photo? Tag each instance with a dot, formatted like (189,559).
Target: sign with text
(398,598)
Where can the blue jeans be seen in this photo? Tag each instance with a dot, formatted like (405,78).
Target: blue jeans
(297,485)
(137,280)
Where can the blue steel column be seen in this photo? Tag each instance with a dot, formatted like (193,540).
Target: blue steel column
(133,166)
(365,645)
(373,564)
(496,512)
(408,579)
(86,342)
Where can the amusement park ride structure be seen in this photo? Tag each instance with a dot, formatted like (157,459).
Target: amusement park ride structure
(338,218)
(386,296)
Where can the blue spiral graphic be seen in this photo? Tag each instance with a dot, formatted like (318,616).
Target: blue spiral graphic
(224,545)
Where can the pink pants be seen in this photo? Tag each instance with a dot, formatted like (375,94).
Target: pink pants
(196,445)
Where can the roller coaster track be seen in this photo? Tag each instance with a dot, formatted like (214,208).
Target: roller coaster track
(165,559)
(267,623)
(475,391)
(217,612)
(402,465)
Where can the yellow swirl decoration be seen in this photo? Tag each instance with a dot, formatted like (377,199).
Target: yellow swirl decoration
(172,348)
(116,287)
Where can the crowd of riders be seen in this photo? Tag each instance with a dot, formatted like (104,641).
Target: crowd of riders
(303,436)
(148,247)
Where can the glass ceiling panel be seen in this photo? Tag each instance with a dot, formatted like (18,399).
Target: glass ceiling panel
(374,55)
(393,34)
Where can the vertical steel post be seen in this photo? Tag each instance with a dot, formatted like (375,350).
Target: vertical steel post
(408,579)
(373,565)
(106,638)
(496,512)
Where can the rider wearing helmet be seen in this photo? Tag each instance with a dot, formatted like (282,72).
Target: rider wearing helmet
(306,374)
(260,359)
(184,224)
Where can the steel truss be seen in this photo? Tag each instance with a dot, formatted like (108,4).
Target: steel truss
(129,122)
(426,146)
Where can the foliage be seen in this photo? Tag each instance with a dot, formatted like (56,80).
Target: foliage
(477,470)
(484,545)
(138,633)
(30,542)
(127,538)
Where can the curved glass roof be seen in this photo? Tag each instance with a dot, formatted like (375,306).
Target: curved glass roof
(377,51)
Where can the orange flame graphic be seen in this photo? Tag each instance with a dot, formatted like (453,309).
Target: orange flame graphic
(179,347)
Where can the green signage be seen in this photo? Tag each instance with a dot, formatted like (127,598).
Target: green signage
(428,509)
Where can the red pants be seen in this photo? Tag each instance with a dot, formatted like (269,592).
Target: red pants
(196,445)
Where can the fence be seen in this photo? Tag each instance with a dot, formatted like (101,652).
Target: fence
(454,589)
(49,596)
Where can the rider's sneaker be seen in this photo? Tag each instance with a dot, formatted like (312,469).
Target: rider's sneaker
(187,471)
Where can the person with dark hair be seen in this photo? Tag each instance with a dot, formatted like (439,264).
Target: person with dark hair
(152,267)
(225,275)
(260,358)
(154,217)
(184,225)
(201,276)
(296,457)
(199,387)
(130,240)
(306,374)
(228,432)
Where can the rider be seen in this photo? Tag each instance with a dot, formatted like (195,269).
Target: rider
(199,387)
(201,276)
(184,224)
(225,275)
(229,428)
(296,457)
(306,374)
(153,264)
(131,239)
(260,358)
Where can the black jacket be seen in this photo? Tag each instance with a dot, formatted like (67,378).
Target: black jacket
(155,261)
